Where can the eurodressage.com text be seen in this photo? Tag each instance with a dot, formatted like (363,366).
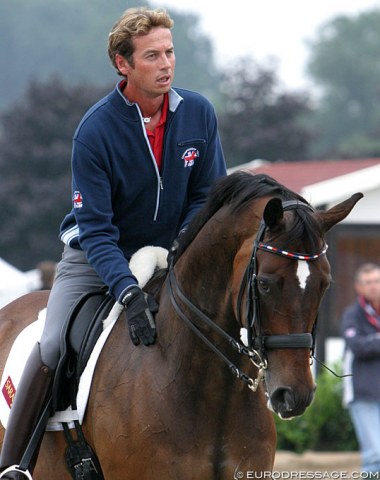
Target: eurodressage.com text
(303,474)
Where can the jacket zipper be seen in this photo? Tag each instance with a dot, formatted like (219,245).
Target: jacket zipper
(160,185)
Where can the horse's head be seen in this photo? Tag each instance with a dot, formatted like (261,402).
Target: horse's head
(287,276)
(255,257)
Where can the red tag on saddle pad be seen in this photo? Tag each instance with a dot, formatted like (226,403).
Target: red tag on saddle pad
(9,391)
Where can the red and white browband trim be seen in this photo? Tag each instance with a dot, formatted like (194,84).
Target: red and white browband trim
(295,255)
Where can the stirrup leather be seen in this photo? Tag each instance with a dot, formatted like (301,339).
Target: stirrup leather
(15,468)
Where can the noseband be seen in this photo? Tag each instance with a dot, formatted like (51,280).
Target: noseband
(257,343)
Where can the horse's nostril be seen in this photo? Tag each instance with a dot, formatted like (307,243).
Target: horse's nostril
(287,402)
(283,399)
(288,399)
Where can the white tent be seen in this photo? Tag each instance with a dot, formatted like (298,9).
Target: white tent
(14,283)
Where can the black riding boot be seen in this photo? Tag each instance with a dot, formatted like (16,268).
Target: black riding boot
(30,399)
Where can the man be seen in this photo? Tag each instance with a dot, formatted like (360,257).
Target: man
(361,331)
(144,158)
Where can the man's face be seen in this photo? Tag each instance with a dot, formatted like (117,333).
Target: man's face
(152,72)
(368,285)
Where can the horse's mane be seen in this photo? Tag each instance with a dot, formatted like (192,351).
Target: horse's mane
(238,190)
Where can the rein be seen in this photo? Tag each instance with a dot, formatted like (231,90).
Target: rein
(257,344)
(239,347)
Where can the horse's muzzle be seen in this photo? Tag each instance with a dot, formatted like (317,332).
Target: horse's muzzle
(288,403)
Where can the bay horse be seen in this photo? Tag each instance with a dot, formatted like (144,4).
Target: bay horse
(195,405)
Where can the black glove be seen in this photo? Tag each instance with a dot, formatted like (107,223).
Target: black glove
(140,308)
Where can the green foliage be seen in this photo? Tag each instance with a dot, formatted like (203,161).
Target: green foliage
(195,66)
(35,181)
(259,119)
(345,64)
(326,424)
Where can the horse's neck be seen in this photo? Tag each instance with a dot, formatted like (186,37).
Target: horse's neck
(192,363)
(209,273)
(193,376)
(209,270)
(203,278)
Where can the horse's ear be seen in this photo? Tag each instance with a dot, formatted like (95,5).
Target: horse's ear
(336,214)
(273,213)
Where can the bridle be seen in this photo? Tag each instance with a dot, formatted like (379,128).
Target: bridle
(253,319)
(257,344)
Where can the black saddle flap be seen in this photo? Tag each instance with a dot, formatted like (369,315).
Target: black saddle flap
(87,325)
(83,327)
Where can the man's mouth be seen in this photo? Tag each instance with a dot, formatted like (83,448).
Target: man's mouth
(164,79)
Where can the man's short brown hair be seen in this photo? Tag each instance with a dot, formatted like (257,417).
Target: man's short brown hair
(134,22)
(364,269)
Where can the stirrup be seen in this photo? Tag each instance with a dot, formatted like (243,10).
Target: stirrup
(15,468)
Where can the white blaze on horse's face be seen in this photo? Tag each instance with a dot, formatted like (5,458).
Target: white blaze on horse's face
(303,273)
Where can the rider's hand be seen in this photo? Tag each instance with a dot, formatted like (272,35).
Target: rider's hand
(140,308)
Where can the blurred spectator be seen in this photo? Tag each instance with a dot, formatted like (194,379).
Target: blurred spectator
(361,331)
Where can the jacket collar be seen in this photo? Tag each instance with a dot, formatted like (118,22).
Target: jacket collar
(174,97)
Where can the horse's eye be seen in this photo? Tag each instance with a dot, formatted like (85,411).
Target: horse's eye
(264,286)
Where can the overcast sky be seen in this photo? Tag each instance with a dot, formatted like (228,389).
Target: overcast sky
(277,28)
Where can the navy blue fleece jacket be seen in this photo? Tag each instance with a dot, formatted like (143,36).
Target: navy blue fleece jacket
(121,202)
(362,355)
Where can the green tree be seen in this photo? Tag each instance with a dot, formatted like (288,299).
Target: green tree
(259,119)
(35,181)
(195,65)
(69,38)
(345,64)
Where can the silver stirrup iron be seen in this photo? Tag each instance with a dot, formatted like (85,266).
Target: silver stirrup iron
(15,468)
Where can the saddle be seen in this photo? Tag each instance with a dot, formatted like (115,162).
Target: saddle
(83,327)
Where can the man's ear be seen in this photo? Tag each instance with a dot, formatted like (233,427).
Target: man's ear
(122,64)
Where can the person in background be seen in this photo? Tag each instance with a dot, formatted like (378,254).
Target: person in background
(361,331)
(143,161)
